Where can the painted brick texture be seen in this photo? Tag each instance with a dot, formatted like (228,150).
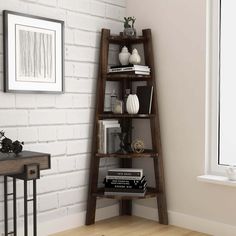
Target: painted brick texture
(61,124)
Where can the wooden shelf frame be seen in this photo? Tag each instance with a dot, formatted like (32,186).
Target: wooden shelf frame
(145,154)
(125,76)
(151,193)
(109,115)
(125,81)
(122,40)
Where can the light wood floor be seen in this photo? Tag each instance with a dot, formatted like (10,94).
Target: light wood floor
(129,226)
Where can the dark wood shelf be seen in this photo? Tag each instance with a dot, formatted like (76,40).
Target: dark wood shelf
(125,80)
(151,192)
(117,39)
(145,154)
(124,76)
(126,115)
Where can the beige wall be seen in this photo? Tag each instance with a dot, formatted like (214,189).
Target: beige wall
(178,28)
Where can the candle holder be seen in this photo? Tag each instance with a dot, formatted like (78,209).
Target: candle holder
(122,137)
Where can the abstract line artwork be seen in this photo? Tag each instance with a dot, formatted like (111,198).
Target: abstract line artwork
(33,53)
(35,59)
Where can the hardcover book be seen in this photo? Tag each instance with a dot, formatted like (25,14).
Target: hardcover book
(131,68)
(115,190)
(125,181)
(126,172)
(102,134)
(130,187)
(145,94)
(133,72)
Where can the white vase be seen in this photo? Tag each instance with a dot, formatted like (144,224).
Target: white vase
(132,104)
(124,56)
(135,58)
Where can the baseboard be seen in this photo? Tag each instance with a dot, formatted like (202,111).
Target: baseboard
(75,220)
(187,221)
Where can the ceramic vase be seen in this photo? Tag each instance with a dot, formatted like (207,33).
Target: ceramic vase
(132,104)
(135,57)
(124,56)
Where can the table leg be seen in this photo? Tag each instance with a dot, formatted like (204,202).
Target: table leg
(25,208)
(14,208)
(5,206)
(35,206)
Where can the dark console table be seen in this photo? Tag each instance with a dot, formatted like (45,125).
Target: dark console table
(25,166)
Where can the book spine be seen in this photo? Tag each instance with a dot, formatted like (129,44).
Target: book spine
(125,190)
(124,177)
(121,173)
(125,182)
(100,136)
(120,186)
(150,104)
(128,69)
(124,194)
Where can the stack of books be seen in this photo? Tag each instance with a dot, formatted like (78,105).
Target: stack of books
(130,69)
(125,182)
(108,139)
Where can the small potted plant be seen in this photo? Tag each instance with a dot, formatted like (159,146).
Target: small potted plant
(129,29)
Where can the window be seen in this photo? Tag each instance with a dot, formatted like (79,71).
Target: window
(221,85)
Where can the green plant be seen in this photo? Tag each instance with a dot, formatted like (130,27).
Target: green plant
(129,22)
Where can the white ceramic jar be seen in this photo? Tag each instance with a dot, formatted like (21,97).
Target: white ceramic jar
(135,57)
(132,104)
(124,56)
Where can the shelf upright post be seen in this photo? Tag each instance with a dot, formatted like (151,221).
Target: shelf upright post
(100,97)
(155,132)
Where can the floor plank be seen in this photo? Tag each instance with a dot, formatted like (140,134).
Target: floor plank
(129,226)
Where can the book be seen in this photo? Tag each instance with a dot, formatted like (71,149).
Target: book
(124,177)
(121,186)
(125,181)
(125,172)
(104,133)
(132,72)
(115,190)
(145,94)
(101,124)
(107,193)
(129,68)
(113,140)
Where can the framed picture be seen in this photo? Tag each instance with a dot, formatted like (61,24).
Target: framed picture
(33,53)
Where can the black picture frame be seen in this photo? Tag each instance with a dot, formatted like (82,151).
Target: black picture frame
(21,30)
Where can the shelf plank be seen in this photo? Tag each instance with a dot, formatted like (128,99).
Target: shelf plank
(146,154)
(125,76)
(126,115)
(151,192)
(117,39)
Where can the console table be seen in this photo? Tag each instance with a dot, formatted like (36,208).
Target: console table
(25,166)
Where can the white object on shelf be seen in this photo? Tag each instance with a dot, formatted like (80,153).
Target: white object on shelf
(135,58)
(113,99)
(132,104)
(124,56)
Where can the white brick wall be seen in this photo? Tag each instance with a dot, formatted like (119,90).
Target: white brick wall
(61,124)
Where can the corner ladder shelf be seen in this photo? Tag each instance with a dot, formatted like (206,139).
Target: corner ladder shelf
(125,81)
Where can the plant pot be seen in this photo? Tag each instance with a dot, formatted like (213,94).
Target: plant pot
(130,32)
